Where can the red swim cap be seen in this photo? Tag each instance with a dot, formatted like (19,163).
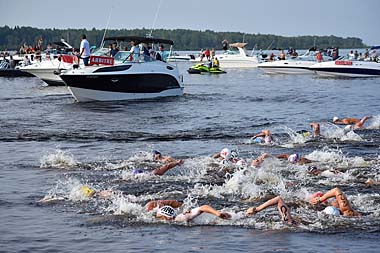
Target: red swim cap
(317,195)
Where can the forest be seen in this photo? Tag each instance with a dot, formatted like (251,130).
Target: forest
(14,38)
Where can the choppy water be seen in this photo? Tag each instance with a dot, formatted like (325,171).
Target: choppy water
(50,146)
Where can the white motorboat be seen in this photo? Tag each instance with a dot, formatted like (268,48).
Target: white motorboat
(297,65)
(235,57)
(347,68)
(125,78)
(180,58)
(48,70)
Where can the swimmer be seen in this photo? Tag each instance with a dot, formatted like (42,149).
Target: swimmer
(294,158)
(358,123)
(341,203)
(167,211)
(163,169)
(259,160)
(85,191)
(157,156)
(229,156)
(316,128)
(264,137)
(314,170)
(283,209)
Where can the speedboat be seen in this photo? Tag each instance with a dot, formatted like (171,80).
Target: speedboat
(180,58)
(202,68)
(51,64)
(296,65)
(235,57)
(123,77)
(344,67)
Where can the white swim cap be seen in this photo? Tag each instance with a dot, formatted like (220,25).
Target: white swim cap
(335,118)
(225,153)
(332,211)
(167,211)
(294,158)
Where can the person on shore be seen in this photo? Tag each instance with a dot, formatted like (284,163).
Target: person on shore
(282,207)
(340,206)
(264,136)
(84,51)
(357,123)
(166,211)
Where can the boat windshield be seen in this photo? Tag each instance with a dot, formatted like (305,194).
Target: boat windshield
(102,52)
(232,50)
(126,56)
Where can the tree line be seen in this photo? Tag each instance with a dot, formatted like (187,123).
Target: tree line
(184,39)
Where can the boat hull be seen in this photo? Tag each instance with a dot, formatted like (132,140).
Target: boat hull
(122,86)
(14,73)
(286,70)
(347,72)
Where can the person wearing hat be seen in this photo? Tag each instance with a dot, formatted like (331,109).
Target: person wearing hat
(358,123)
(263,137)
(166,211)
(341,203)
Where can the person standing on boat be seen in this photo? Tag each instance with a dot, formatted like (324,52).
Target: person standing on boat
(84,50)
(135,51)
(163,53)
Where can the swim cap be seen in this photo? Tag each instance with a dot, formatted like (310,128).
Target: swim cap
(335,118)
(294,158)
(332,211)
(155,152)
(225,153)
(234,153)
(137,171)
(318,195)
(167,211)
(312,169)
(306,134)
(258,140)
(87,191)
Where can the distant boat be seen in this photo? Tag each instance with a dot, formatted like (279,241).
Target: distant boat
(180,58)
(235,57)
(344,67)
(297,65)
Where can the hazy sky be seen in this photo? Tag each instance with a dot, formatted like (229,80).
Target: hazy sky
(343,18)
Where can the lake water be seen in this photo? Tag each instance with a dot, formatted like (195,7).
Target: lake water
(51,146)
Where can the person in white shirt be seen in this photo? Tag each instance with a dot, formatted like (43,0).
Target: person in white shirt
(135,51)
(84,50)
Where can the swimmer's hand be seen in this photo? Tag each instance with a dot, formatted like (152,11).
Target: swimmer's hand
(251,211)
(225,216)
(315,201)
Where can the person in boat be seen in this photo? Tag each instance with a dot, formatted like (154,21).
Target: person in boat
(164,55)
(114,50)
(319,56)
(357,123)
(271,57)
(134,52)
(283,209)
(167,211)
(215,63)
(264,136)
(84,52)
(339,206)
(335,54)
(281,55)
(207,54)
(225,45)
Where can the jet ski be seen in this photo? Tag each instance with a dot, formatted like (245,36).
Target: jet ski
(202,68)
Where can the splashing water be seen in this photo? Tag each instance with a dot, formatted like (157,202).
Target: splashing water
(58,159)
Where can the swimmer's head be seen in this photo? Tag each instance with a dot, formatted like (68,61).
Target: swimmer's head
(330,210)
(258,140)
(335,118)
(156,154)
(166,212)
(241,163)
(313,170)
(317,195)
(294,158)
(87,191)
(234,153)
(225,153)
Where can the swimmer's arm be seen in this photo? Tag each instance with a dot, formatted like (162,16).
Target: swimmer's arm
(210,210)
(259,135)
(159,203)
(216,155)
(283,156)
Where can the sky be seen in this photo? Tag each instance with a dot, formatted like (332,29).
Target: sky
(342,18)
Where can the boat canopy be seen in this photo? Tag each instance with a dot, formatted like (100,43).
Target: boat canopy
(239,44)
(375,47)
(139,40)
